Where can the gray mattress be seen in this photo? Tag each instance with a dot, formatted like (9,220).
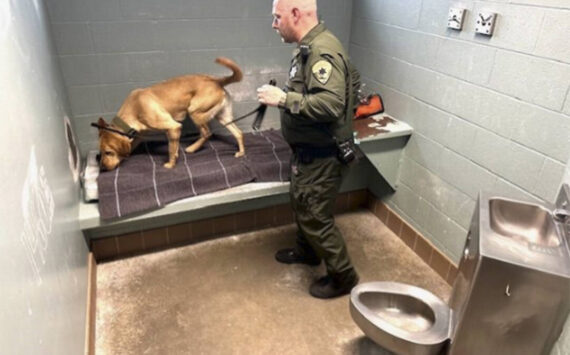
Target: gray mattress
(141,183)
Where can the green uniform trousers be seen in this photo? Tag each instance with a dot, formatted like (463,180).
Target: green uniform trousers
(313,192)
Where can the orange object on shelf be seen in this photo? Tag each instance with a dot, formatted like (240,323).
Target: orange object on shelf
(371,106)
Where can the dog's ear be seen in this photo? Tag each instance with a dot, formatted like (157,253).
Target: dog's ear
(101,123)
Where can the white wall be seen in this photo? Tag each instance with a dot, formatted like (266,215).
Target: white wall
(43,264)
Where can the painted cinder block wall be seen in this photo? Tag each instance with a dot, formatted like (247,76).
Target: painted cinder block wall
(43,274)
(488,113)
(107,48)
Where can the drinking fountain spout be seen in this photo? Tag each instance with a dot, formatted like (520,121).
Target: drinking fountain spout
(561,215)
(561,211)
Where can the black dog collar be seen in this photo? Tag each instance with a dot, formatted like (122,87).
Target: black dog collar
(126,130)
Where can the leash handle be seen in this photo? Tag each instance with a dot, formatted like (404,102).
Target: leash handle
(261,111)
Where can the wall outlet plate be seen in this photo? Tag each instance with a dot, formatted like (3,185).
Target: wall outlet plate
(485,23)
(455,18)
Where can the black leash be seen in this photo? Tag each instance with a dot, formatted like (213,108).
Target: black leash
(244,116)
(260,110)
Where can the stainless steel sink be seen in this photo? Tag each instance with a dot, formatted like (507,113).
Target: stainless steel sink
(523,233)
(523,222)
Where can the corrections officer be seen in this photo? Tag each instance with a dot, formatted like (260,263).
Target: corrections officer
(316,115)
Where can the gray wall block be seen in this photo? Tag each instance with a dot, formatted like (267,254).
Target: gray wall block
(176,9)
(441,194)
(85,100)
(112,96)
(472,63)
(84,10)
(548,182)
(460,136)
(80,69)
(424,151)
(562,4)
(531,79)
(505,188)
(72,38)
(467,176)
(403,13)
(128,36)
(553,38)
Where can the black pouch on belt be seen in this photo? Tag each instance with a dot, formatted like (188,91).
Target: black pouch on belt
(346,152)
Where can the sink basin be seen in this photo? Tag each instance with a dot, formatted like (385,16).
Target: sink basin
(523,222)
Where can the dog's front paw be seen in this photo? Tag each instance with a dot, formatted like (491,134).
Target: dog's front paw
(239,154)
(169,165)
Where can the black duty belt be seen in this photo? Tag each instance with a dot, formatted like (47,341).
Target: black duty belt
(315,152)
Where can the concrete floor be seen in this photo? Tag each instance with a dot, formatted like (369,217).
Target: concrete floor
(229,296)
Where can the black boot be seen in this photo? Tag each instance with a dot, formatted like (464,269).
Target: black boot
(292,256)
(335,285)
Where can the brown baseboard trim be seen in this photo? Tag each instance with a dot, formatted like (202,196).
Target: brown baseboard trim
(146,241)
(429,253)
(91,305)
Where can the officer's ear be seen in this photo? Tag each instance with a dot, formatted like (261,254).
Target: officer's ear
(296,14)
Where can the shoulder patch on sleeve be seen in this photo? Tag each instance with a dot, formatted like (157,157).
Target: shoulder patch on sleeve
(322,71)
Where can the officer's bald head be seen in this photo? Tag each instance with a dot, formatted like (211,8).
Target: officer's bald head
(306,5)
(294,18)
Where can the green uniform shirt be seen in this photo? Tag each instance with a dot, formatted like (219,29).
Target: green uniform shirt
(317,92)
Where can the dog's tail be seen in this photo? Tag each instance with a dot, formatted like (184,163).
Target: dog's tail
(237,73)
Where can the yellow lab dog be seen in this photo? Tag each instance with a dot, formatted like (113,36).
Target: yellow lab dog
(161,107)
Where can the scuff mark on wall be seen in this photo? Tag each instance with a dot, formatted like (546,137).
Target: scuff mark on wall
(38,209)
(72,150)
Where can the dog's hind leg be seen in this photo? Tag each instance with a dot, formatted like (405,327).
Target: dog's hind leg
(201,111)
(236,132)
(225,117)
(204,136)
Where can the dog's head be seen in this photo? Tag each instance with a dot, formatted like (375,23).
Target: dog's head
(113,147)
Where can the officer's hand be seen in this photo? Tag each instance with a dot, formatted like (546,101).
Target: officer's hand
(271,95)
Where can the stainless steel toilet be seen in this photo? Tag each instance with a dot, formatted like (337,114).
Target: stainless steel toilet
(403,318)
(512,290)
